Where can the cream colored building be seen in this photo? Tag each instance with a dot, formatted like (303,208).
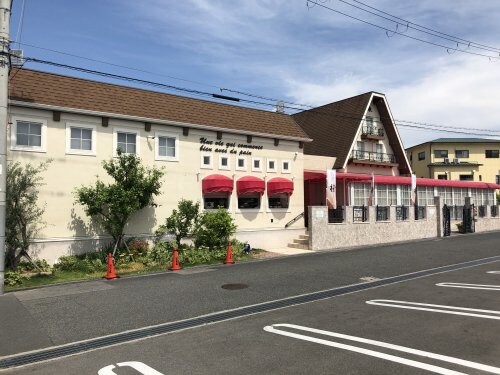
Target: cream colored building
(469,159)
(250,161)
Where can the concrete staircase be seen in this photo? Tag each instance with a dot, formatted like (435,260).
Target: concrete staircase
(300,243)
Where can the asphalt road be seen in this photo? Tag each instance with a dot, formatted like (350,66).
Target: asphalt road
(243,346)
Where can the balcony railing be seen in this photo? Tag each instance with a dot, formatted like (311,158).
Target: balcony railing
(336,215)
(401,213)
(373,156)
(372,130)
(382,213)
(494,211)
(360,213)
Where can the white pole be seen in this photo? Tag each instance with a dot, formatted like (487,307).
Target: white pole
(4,85)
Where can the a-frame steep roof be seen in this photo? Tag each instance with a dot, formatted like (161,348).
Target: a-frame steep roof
(333,128)
(49,90)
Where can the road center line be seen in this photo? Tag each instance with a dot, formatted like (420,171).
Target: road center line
(373,353)
(470,286)
(455,310)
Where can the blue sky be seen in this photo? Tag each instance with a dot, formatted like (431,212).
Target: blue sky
(283,49)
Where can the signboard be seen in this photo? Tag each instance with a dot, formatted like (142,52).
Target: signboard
(331,187)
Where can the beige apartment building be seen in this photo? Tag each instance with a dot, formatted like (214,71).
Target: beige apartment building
(249,161)
(466,159)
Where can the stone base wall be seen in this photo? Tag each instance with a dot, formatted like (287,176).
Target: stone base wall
(323,235)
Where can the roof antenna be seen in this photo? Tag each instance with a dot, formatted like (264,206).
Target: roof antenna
(280,107)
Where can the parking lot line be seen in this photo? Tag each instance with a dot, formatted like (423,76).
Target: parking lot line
(456,310)
(275,328)
(470,286)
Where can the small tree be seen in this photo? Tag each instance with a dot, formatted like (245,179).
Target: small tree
(183,219)
(132,189)
(22,211)
(214,229)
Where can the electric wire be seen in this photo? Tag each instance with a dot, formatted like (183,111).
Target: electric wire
(349,115)
(460,40)
(394,32)
(416,27)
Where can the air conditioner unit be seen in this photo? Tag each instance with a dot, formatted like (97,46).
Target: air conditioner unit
(456,161)
(446,161)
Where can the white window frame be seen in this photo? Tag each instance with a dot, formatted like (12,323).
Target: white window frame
(157,146)
(289,170)
(228,166)
(130,131)
(81,125)
(260,165)
(244,168)
(13,135)
(272,170)
(206,166)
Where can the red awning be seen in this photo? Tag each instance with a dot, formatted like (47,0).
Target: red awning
(217,183)
(279,185)
(397,180)
(250,184)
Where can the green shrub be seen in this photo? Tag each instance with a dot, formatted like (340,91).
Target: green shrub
(24,266)
(214,229)
(13,278)
(81,263)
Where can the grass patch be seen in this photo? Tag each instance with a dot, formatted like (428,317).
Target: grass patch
(140,265)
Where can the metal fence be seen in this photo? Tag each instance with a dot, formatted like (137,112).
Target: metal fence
(494,211)
(336,215)
(360,213)
(482,211)
(419,212)
(401,213)
(382,213)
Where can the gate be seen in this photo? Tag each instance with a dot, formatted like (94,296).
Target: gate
(446,221)
(468,220)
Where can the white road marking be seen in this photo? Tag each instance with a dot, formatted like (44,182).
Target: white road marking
(470,286)
(373,353)
(495,272)
(139,366)
(456,310)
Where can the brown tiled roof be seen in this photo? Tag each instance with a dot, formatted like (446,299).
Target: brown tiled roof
(62,91)
(333,127)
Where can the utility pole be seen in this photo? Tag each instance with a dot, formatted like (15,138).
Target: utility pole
(4,86)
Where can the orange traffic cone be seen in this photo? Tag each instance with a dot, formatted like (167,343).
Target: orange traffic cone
(229,255)
(175,261)
(110,274)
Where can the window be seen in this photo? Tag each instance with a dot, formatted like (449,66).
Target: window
(29,135)
(459,195)
(279,201)
(249,201)
(167,146)
(461,153)
(215,201)
(491,154)
(80,139)
(224,162)
(440,153)
(425,195)
(257,164)
(271,165)
(241,164)
(286,166)
(442,176)
(206,161)
(466,177)
(126,140)
(446,194)
(421,155)
(405,195)
(498,179)
(387,195)
(361,194)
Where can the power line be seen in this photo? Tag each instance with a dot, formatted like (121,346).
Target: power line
(465,41)
(419,28)
(166,76)
(394,32)
(21,23)
(350,115)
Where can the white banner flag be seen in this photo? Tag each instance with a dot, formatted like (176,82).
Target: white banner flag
(331,187)
(413,189)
